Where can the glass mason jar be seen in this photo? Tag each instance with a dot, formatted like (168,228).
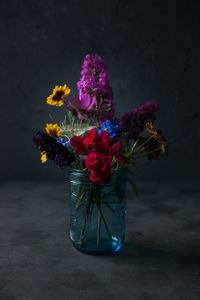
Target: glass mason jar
(97,220)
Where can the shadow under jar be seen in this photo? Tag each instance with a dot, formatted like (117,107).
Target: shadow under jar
(97,212)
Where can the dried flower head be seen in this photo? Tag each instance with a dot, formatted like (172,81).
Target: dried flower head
(155,144)
(157,135)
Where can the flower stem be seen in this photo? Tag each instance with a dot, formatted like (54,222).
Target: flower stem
(89,208)
(146,141)
(82,233)
(99,230)
(102,216)
(107,204)
(147,153)
(80,126)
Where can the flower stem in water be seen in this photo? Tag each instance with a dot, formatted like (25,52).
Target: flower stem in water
(99,230)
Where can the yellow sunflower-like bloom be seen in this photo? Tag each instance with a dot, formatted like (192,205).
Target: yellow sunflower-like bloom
(43,157)
(58,95)
(53,130)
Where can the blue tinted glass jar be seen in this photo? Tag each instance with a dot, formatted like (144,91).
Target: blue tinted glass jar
(97,221)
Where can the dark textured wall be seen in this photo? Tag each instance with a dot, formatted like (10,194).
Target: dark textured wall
(151,49)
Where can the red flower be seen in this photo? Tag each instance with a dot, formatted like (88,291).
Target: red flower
(105,137)
(77,143)
(102,143)
(116,147)
(100,166)
(116,151)
(101,150)
(97,176)
(91,160)
(81,144)
(121,158)
(89,137)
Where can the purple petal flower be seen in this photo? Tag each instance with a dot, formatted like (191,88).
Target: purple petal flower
(82,104)
(55,150)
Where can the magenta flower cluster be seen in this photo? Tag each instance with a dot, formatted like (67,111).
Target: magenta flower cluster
(133,123)
(94,82)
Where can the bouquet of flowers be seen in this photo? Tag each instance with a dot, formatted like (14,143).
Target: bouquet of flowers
(93,140)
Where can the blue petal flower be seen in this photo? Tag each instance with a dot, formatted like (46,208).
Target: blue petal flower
(64,141)
(98,131)
(111,127)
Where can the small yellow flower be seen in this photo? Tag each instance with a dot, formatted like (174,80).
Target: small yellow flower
(43,157)
(57,98)
(53,130)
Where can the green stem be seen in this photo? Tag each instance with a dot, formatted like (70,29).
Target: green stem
(82,232)
(111,202)
(109,194)
(80,125)
(72,126)
(50,116)
(109,207)
(102,216)
(98,230)
(65,136)
(134,146)
(80,201)
(89,208)
(154,150)
(146,141)
(79,161)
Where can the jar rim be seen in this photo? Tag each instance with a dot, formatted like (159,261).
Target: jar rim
(114,171)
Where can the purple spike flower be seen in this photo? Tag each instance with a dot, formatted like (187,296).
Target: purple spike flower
(95,83)
(133,123)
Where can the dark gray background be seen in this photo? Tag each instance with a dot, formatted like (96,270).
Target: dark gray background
(151,50)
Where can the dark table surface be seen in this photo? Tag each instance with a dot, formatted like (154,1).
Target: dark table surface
(160,259)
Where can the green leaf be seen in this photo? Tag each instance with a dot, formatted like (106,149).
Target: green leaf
(134,146)
(127,154)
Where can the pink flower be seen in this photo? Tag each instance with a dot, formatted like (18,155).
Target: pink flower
(100,167)
(82,105)
(116,151)
(91,160)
